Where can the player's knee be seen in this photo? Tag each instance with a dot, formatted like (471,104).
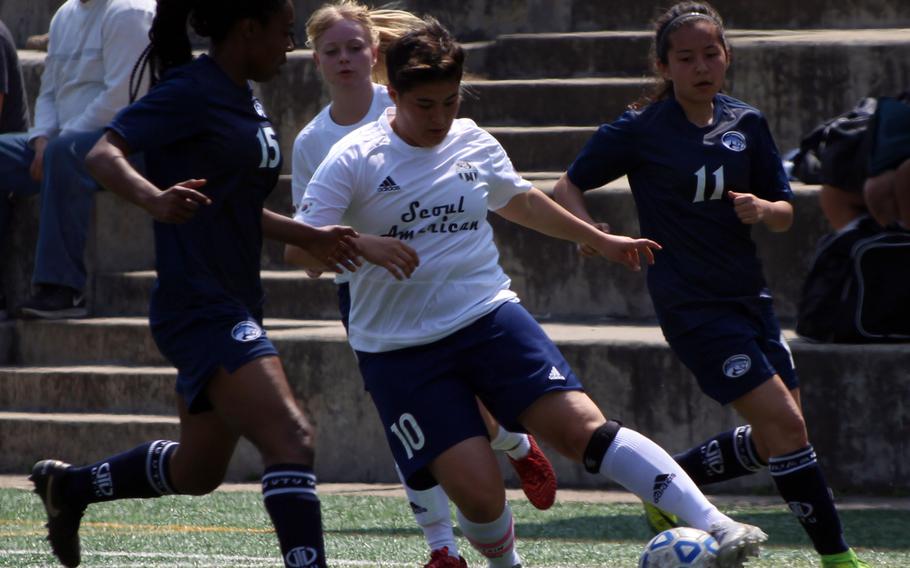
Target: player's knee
(483,508)
(290,442)
(598,445)
(786,434)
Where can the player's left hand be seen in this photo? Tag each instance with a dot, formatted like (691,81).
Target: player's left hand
(748,208)
(627,251)
(587,250)
(334,246)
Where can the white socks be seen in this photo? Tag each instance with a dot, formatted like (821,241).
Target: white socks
(514,444)
(644,468)
(431,511)
(496,540)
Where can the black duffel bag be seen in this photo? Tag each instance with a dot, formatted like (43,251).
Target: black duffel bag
(858,287)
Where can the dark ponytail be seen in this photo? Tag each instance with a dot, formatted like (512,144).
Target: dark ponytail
(171,46)
(170,40)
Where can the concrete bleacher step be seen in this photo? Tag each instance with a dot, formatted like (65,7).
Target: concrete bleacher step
(796,78)
(86,438)
(853,398)
(532,102)
(542,147)
(479,19)
(542,95)
(289,293)
(112,389)
(553,281)
(489,18)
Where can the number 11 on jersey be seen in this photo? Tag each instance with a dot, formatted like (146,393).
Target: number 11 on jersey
(701,176)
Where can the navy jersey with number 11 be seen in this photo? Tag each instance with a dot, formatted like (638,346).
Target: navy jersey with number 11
(680,175)
(198,124)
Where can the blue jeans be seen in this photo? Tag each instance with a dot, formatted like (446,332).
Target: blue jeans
(67,197)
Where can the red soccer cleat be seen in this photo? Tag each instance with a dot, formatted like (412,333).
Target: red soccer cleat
(538,480)
(440,558)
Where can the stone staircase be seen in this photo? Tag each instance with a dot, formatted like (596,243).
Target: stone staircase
(82,389)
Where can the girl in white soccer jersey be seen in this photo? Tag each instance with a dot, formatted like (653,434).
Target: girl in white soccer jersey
(348,42)
(703,169)
(427,345)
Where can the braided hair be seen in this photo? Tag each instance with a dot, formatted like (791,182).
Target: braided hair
(170,41)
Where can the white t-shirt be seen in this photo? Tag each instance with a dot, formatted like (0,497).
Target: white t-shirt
(434,199)
(93,48)
(313,143)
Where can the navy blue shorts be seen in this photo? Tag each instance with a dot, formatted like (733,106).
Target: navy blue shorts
(732,355)
(425,395)
(198,345)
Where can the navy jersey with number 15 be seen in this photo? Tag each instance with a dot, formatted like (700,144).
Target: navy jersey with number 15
(197,123)
(680,174)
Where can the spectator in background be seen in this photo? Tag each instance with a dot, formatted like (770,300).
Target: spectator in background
(93,47)
(13,113)
(887,189)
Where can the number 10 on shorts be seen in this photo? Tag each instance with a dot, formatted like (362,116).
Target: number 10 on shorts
(409,433)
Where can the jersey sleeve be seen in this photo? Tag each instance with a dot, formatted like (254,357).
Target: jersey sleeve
(171,111)
(301,170)
(504,181)
(609,154)
(330,191)
(768,178)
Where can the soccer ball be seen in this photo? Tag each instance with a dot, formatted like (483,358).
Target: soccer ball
(682,547)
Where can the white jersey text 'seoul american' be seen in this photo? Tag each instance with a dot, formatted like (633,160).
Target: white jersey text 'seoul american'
(434,199)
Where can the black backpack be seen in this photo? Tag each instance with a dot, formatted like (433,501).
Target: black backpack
(836,152)
(858,287)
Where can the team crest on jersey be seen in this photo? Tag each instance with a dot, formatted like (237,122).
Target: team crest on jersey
(734,140)
(305,206)
(737,366)
(246,331)
(467,171)
(260,110)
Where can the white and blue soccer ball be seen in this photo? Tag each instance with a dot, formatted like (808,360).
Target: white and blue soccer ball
(682,547)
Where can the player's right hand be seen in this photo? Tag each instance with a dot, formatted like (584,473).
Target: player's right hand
(178,203)
(335,247)
(390,253)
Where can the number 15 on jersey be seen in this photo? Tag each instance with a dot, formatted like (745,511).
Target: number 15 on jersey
(271,151)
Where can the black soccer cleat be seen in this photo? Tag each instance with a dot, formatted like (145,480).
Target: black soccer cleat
(62,519)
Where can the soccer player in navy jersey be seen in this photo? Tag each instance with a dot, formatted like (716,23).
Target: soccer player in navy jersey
(703,169)
(210,144)
(429,344)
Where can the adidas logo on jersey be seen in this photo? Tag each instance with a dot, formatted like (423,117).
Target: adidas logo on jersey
(388,184)
(555,375)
